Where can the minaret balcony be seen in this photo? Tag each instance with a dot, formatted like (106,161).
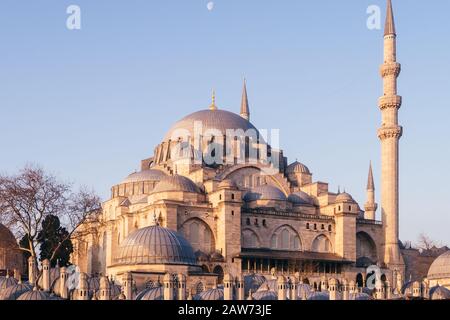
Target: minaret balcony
(387,102)
(390,132)
(390,68)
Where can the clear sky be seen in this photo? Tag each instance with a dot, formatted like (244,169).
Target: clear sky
(89,104)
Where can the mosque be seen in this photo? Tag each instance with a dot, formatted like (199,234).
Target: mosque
(218,213)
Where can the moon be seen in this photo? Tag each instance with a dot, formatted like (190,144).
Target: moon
(210,6)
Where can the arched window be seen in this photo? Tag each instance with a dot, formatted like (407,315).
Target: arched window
(248,221)
(249,239)
(273,242)
(330,228)
(199,288)
(193,233)
(321,244)
(285,239)
(307,226)
(296,245)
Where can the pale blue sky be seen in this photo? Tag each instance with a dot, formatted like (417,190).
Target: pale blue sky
(88,105)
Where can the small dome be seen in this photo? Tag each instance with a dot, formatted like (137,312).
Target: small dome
(359,296)
(440,268)
(265,192)
(6,282)
(155,245)
(253,282)
(319,295)
(228,184)
(297,167)
(14,292)
(210,295)
(300,197)
(439,293)
(344,197)
(145,175)
(34,295)
(303,290)
(265,295)
(156,293)
(176,183)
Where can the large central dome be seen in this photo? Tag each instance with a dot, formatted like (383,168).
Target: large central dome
(210,119)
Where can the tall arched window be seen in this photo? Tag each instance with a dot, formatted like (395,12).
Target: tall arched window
(285,239)
(273,242)
(296,245)
(321,244)
(193,233)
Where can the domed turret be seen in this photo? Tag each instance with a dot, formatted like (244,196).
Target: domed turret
(344,197)
(297,167)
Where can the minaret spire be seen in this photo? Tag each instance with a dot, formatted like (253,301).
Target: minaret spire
(370,182)
(370,206)
(213,106)
(389,135)
(389,28)
(245,109)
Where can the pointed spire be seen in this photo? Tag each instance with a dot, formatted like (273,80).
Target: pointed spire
(370,183)
(245,109)
(213,106)
(389,28)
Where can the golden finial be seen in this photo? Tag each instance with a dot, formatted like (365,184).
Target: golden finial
(213,104)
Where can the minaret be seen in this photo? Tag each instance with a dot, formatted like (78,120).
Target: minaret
(390,134)
(245,109)
(370,206)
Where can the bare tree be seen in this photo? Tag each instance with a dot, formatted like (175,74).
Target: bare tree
(424,242)
(27,198)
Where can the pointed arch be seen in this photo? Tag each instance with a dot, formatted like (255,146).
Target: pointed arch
(322,244)
(250,239)
(199,234)
(285,237)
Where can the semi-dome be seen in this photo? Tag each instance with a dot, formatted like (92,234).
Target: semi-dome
(145,175)
(176,183)
(300,198)
(297,167)
(155,245)
(344,197)
(210,295)
(440,268)
(265,192)
(221,120)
